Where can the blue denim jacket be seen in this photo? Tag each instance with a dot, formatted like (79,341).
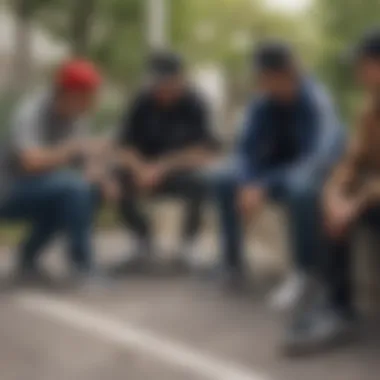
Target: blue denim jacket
(319,138)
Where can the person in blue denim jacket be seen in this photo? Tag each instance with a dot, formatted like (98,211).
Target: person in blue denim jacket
(291,139)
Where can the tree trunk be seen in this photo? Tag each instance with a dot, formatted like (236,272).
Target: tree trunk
(22,57)
(83,11)
(157,23)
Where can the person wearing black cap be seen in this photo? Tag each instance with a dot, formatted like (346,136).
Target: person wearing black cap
(291,139)
(353,193)
(164,138)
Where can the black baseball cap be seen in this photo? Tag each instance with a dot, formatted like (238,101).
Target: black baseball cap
(163,65)
(367,47)
(272,56)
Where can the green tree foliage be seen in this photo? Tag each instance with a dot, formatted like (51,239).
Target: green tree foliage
(206,31)
(115,37)
(27,8)
(119,37)
(221,31)
(224,31)
(341,23)
(83,14)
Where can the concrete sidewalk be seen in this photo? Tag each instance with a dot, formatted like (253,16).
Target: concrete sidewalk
(162,328)
(37,346)
(159,329)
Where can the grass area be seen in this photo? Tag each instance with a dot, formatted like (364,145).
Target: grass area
(12,233)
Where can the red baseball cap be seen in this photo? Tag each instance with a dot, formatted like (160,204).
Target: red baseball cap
(78,75)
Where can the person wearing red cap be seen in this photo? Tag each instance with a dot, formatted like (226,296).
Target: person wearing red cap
(49,136)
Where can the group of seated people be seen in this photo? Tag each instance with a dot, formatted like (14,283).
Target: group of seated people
(292,150)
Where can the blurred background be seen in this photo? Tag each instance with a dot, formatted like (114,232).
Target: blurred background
(215,36)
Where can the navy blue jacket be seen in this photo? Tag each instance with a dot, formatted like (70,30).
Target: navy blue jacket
(318,139)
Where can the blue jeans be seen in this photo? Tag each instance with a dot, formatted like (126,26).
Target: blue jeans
(57,202)
(302,202)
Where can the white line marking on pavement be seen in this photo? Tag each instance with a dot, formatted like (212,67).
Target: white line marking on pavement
(126,335)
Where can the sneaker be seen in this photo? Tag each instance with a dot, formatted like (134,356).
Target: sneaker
(89,280)
(235,280)
(139,261)
(290,293)
(187,260)
(190,253)
(33,278)
(137,264)
(316,331)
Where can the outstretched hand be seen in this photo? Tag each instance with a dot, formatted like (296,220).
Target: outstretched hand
(340,212)
(150,177)
(249,202)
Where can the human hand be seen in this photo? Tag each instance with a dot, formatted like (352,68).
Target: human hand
(250,200)
(339,212)
(371,192)
(150,176)
(73,149)
(97,146)
(111,190)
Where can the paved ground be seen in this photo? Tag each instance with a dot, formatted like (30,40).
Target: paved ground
(160,328)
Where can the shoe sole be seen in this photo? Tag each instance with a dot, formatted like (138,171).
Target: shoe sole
(298,350)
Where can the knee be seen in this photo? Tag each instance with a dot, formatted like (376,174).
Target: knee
(303,203)
(302,192)
(77,187)
(224,185)
(73,188)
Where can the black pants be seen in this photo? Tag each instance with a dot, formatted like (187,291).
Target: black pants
(186,186)
(340,259)
(338,274)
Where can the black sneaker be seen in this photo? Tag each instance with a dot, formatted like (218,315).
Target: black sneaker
(237,281)
(184,264)
(88,280)
(317,331)
(139,262)
(33,278)
(188,258)
(227,277)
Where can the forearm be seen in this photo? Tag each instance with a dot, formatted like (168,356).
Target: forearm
(343,179)
(129,159)
(369,193)
(41,160)
(187,159)
(99,160)
(96,169)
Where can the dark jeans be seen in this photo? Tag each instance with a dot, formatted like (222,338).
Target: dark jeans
(340,259)
(52,203)
(186,186)
(302,203)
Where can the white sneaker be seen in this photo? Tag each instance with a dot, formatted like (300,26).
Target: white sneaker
(189,253)
(288,295)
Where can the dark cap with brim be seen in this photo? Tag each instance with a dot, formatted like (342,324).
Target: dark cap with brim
(368,47)
(164,65)
(272,56)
